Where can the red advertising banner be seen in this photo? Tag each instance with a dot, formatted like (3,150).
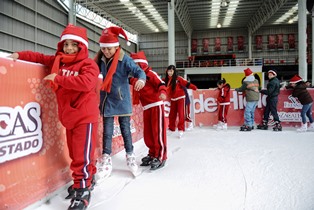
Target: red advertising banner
(206,113)
(271,41)
(217,44)
(291,41)
(205,45)
(194,46)
(230,44)
(280,41)
(34,160)
(259,42)
(240,43)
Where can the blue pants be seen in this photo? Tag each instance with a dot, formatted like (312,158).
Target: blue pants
(249,113)
(306,111)
(124,122)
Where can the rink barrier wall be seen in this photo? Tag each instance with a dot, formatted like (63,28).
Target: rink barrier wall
(34,160)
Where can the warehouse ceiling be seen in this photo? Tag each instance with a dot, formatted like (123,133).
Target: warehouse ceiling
(151,16)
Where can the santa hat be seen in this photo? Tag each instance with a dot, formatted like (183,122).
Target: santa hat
(274,72)
(110,37)
(295,79)
(75,33)
(248,72)
(139,57)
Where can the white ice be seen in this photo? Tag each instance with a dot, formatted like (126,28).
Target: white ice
(213,170)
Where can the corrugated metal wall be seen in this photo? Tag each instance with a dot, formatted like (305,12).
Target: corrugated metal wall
(37,24)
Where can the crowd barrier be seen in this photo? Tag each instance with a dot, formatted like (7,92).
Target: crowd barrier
(34,160)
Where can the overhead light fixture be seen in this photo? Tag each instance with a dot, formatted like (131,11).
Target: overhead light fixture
(218,25)
(224,3)
(290,21)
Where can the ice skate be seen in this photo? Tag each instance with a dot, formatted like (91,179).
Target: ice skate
(146,160)
(71,191)
(303,128)
(215,126)
(222,126)
(157,164)
(245,128)
(181,134)
(277,127)
(263,125)
(190,127)
(131,163)
(80,200)
(104,167)
(311,127)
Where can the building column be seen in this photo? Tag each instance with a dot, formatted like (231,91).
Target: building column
(302,39)
(171,33)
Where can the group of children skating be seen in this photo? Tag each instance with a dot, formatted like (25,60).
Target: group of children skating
(74,77)
(251,88)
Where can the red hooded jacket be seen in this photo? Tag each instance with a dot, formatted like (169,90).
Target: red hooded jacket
(77,81)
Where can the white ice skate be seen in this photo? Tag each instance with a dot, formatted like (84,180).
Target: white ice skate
(104,167)
(311,127)
(181,134)
(303,128)
(131,163)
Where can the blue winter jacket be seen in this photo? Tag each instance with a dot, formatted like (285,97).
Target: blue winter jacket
(118,101)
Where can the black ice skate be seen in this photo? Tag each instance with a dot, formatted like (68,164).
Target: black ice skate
(263,125)
(146,161)
(81,198)
(245,128)
(157,164)
(71,190)
(277,127)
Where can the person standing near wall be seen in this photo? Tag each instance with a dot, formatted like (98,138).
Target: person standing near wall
(175,85)
(250,87)
(272,91)
(74,79)
(151,97)
(304,97)
(115,97)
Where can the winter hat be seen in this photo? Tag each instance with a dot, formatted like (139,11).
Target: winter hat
(274,72)
(109,37)
(248,72)
(295,79)
(75,33)
(140,59)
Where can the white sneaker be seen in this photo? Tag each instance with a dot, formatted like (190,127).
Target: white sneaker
(303,128)
(224,126)
(131,163)
(104,167)
(181,134)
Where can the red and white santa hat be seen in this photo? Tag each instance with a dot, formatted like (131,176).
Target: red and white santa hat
(75,33)
(140,59)
(295,79)
(248,72)
(110,37)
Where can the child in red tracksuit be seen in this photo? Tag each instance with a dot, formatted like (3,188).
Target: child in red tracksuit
(74,78)
(175,91)
(151,98)
(223,99)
